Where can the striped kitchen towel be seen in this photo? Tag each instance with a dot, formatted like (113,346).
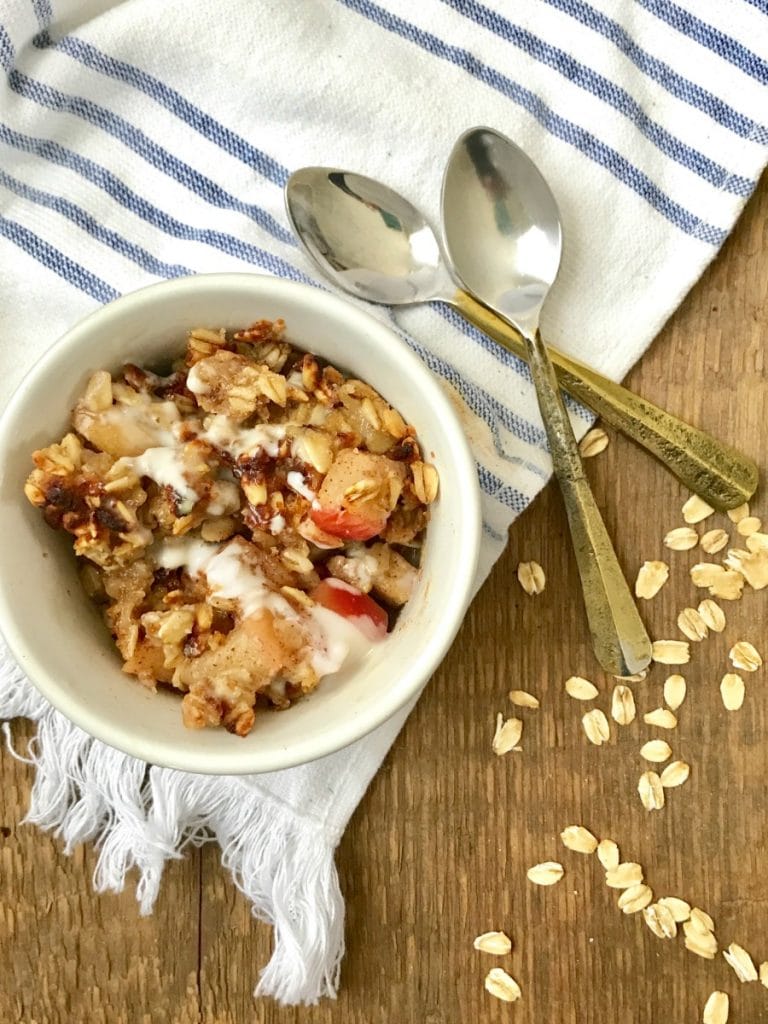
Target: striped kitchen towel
(141,141)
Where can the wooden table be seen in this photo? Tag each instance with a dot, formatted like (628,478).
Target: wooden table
(439,848)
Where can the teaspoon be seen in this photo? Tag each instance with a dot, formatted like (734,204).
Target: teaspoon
(373,243)
(504,239)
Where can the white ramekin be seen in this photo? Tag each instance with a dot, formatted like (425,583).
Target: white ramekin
(59,639)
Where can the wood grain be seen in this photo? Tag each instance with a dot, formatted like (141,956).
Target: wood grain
(438,849)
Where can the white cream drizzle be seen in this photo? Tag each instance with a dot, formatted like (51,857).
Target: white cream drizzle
(231,574)
(152,422)
(166,467)
(194,382)
(229,436)
(297,483)
(277,524)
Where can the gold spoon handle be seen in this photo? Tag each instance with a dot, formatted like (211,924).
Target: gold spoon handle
(716,472)
(619,638)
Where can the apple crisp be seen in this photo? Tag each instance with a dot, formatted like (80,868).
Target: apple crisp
(248,522)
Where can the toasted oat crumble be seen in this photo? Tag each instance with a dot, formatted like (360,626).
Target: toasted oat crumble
(246,522)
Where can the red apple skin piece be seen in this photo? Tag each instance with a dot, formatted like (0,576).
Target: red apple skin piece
(367,517)
(352,604)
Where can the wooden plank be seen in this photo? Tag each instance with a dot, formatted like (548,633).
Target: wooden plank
(71,956)
(438,850)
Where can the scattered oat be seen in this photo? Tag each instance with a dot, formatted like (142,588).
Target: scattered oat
(741,961)
(737,514)
(704,574)
(703,944)
(593,442)
(608,854)
(729,586)
(712,614)
(624,875)
(714,541)
(523,699)
(732,691)
(651,791)
(622,705)
(743,655)
(547,873)
(679,909)
(701,921)
(496,943)
(674,691)
(696,509)
(675,774)
(578,838)
(656,751)
(764,973)
(671,652)
(507,735)
(636,898)
(531,577)
(691,624)
(748,525)
(721,582)
(501,985)
(660,920)
(682,538)
(580,689)
(638,677)
(650,579)
(757,541)
(716,1009)
(662,718)
(751,564)
(596,726)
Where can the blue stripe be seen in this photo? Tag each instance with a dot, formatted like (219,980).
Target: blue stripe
(180,107)
(43,12)
(120,192)
(675,84)
(561,128)
(504,493)
(604,89)
(83,220)
(44,15)
(6,50)
(150,151)
(706,35)
(56,261)
(494,534)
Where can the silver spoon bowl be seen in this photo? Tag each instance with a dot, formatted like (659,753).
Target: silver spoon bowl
(374,244)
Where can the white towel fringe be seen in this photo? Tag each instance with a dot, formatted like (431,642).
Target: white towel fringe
(141,817)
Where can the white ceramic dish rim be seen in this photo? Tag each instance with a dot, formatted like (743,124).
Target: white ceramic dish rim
(410,680)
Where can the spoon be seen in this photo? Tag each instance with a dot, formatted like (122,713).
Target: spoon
(373,243)
(504,239)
